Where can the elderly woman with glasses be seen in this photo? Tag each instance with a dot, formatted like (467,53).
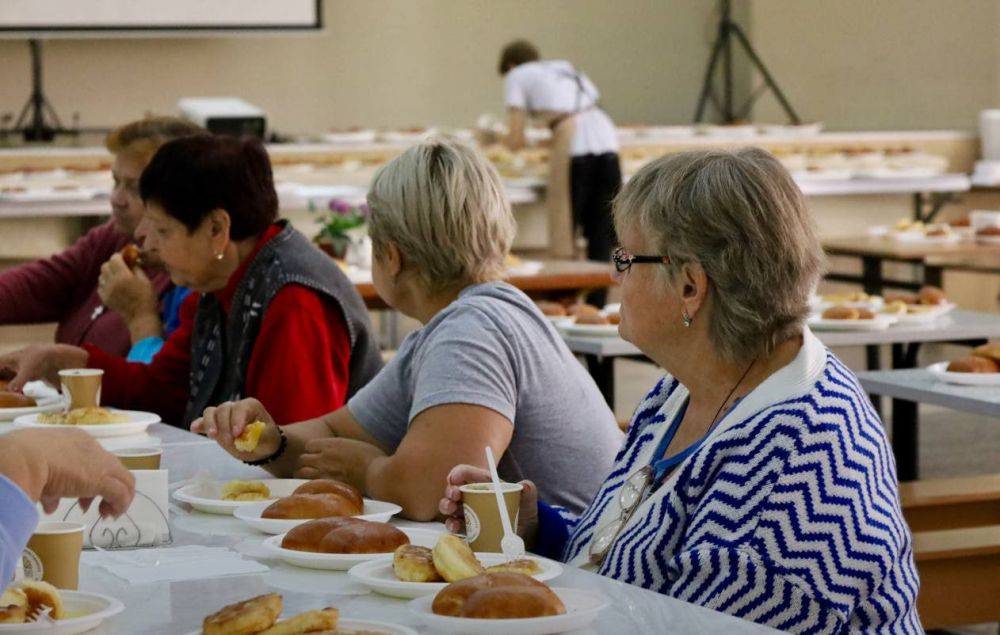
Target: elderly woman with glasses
(756,478)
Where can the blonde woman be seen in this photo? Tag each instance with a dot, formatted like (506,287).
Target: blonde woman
(485,369)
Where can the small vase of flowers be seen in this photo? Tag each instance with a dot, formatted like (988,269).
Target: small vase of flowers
(336,226)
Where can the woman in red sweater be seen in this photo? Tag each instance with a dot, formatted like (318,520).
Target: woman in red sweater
(272,317)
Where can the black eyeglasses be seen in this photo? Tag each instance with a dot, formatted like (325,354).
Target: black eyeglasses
(624,260)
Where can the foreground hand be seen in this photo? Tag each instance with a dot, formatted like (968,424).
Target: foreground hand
(42,362)
(226,421)
(345,460)
(127,291)
(53,464)
(451,504)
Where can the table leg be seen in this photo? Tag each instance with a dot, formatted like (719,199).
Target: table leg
(602,369)
(871,275)
(933,276)
(905,421)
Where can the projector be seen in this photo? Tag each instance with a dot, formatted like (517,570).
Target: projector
(225,115)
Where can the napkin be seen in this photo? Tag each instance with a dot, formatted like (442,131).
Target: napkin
(172,564)
(144,524)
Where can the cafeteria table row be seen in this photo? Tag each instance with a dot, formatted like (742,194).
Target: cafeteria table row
(179,606)
(965,327)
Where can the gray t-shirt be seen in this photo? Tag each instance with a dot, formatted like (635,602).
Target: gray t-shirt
(492,347)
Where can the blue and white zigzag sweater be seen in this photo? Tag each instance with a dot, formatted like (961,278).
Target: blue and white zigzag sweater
(787,516)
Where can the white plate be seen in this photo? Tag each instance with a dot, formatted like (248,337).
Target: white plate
(348,626)
(965,379)
(137,423)
(45,404)
(589,330)
(205,497)
(924,239)
(879,323)
(378,511)
(350,137)
(377,575)
(988,240)
(926,317)
(342,561)
(96,607)
(582,608)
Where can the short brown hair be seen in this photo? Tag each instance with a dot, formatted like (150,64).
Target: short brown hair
(145,136)
(516,53)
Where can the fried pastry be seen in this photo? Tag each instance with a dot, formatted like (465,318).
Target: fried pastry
(840,313)
(308,622)
(454,599)
(39,594)
(454,560)
(245,491)
(331,486)
(244,618)
(344,535)
(525,566)
(411,563)
(250,437)
(307,506)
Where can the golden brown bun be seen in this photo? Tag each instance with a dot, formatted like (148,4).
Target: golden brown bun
(330,486)
(525,566)
(905,298)
(989,231)
(15,400)
(40,593)
(990,350)
(512,602)
(595,318)
(974,364)
(840,313)
(614,318)
(244,618)
(865,314)
(344,535)
(454,560)
(583,309)
(411,563)
(308,622)
(13,614)
(931,296)
(451,599)
(551,308)
(300,506)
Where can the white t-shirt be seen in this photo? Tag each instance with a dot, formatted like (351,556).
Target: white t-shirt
(555,85)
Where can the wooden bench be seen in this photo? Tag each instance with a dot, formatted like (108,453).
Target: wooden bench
(951,503)
(959,576)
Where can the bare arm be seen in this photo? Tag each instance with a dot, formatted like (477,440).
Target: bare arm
(516,118)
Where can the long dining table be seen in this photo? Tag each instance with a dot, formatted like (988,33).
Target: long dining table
(180,606)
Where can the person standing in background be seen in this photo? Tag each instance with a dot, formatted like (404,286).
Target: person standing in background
(584,168)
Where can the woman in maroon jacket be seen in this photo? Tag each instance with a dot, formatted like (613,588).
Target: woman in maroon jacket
(63,288)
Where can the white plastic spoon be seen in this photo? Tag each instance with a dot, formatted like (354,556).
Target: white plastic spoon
(511,545)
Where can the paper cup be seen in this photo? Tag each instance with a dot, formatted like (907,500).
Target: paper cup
(82,386)
(53,554)
(140,458)
(483,527)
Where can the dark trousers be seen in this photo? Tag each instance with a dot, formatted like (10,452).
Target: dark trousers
(594,182)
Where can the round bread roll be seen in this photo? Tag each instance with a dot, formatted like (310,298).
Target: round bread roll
(840,313)
(992,230)
(330,486)
(974,364)
(16,400)
(304,506)
(588,318)
(932,296)
(344,535)
(990,350)
(454,560)
(451,599)
(250,616)
(553,309)
(512,602)
(412,563)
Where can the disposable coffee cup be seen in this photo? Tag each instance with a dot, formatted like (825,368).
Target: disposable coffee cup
(483,527)
(82,386)
(53,554)
(140,458)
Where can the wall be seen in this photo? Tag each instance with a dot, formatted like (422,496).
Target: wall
(891,64)
(386,62)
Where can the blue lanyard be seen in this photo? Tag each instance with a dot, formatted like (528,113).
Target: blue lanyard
(662,466)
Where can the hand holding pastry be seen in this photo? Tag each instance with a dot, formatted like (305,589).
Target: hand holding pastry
(451,504)
(227,422)
(129,292)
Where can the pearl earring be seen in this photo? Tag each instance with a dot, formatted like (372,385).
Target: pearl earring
(686,318)
(219,256)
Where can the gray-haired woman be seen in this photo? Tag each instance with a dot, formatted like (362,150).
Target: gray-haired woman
(756,478)
(486,368)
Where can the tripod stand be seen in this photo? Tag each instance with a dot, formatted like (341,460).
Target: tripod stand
(38,106)
(722,50)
